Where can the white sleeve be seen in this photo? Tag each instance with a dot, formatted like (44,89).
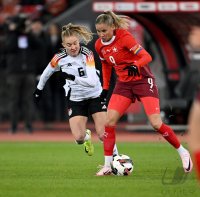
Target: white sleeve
(48,71)
(90,80)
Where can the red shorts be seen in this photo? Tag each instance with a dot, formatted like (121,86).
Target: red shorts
(144,90)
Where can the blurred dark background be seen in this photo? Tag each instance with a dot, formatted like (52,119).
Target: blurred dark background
(30,36)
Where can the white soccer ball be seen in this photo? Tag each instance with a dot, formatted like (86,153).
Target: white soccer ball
(122,165)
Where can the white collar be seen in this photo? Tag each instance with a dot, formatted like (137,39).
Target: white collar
(109,42)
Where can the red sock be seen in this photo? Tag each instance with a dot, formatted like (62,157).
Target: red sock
(109,140)
(197,163)
(169,135)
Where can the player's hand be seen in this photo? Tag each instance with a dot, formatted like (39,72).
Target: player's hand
(37,95)
(103,96)
(67,76)
(132,70)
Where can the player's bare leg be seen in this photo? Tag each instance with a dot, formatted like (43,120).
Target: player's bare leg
(194,135)
(81,134)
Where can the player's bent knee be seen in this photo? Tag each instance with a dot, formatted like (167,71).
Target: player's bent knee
(111,122)
(156,125)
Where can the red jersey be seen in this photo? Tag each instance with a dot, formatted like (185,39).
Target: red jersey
(122,51)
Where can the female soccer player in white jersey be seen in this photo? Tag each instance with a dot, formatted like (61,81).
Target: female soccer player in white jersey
(82,87)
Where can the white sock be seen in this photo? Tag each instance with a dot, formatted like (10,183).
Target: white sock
(108,160)
(115,150)
(181,150)
(87,137)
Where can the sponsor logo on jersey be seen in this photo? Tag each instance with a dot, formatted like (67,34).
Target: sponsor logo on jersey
(106,51)
(69,64)
(104,107)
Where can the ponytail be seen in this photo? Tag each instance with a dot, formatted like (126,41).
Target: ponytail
(110,18)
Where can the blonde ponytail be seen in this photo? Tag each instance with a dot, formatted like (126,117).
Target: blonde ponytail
(110,18)
(82,32)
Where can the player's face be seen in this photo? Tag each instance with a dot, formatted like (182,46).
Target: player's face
(104,31)
(72,45)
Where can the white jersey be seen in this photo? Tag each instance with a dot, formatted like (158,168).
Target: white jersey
(86,84)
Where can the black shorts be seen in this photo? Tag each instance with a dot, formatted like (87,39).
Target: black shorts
(86,107)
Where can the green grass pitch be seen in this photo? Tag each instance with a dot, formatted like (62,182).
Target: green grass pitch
(46,169)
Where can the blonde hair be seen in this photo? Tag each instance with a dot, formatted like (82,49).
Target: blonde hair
(82,32)
(110,18)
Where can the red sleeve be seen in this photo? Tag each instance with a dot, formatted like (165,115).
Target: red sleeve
(143,56)
(128,41)
(106,72)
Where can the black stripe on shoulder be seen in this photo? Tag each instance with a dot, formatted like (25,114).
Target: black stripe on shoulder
(61,53)
(85,50)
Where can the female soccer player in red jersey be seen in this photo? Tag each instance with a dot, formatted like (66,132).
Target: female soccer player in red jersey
(118,49)
(194,118)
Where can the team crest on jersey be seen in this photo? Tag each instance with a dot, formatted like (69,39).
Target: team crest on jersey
(114,49)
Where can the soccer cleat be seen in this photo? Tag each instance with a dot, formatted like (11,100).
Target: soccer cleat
(186,161)
(104,171)
(89,148)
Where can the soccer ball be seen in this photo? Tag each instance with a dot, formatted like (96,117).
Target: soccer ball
(122,165)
